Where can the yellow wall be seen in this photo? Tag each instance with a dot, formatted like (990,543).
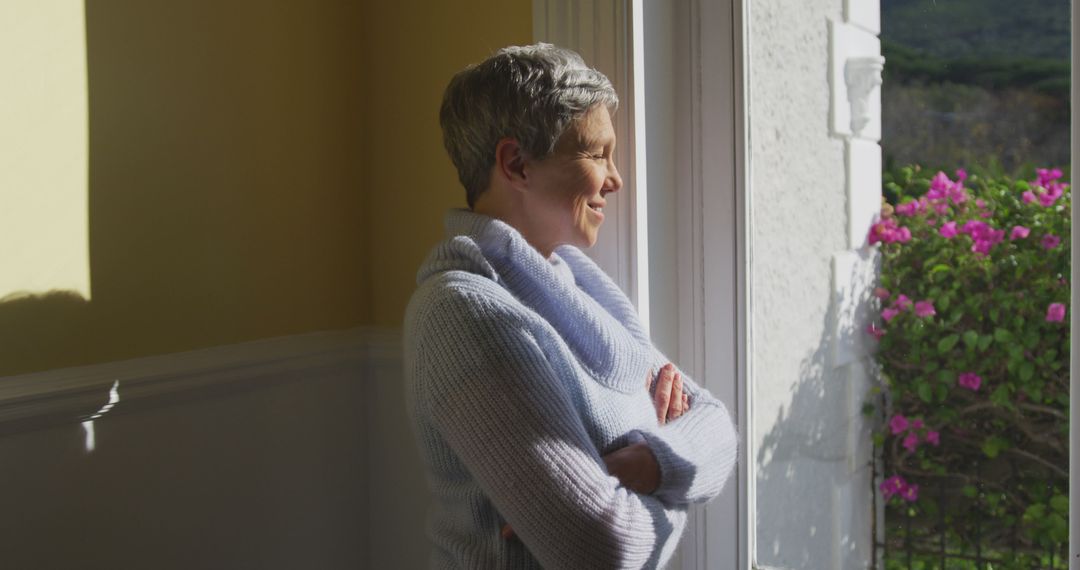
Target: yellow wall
(256,169)
(225,198)
(415,48)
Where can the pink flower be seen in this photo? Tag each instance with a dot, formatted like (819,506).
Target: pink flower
(892,486)
(980,203)
(874,331)
(910,208)
(889,313)
(1019,232)
(939,186)
(898,424)
(957,194)
(883,231)
(1047,199)
(974,228)
(969,380)
(961,175)
(1050,241)
(881,293)
(947,230)
(1046,176)
(911,442)
(933,438)
(1055,313)
(910,493)
(902,302)
(903,235)
(982,246)
(983,236)
(916,424)
(924,309)
(1028,197)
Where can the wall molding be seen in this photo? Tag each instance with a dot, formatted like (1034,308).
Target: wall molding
(73,395)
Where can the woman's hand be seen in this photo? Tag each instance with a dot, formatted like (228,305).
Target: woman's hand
(634,465)
(669,399)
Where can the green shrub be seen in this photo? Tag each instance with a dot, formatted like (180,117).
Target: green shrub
(974,351)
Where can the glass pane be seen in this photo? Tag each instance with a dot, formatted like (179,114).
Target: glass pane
(973,330)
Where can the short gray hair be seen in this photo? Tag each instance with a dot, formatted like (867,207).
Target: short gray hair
(529,93)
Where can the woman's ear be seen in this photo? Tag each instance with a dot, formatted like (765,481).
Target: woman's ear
(510,162)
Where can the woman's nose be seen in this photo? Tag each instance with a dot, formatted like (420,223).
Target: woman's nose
(614,180)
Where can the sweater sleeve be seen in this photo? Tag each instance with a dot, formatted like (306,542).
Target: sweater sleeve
(696,451)
(503,410)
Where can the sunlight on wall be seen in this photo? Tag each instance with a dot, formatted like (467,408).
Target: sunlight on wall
(43,148)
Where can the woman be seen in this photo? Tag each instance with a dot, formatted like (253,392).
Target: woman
(528,372)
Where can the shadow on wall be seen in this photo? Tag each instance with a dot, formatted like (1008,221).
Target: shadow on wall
(814,472)
(224,184)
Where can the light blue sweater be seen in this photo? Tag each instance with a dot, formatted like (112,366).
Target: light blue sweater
(521,373)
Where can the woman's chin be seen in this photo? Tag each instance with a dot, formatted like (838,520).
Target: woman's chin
(589,239)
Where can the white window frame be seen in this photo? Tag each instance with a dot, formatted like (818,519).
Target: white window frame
(710,168)
(602,31)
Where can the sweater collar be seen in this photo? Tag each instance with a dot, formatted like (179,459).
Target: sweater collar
(602,345)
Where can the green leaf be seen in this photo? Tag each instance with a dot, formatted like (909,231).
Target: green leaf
(1035,394)
(1002,335)
(1060,503)
(1058,528)
(970,491)
(984,342)
(994,445)
(1027,370)
(971,339)
(946,344)
(925,392)
(1000,396)
(1034,513)
(946,377)
(995,314)
(942,392)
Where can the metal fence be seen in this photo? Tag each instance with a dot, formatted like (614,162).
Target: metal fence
(950,529)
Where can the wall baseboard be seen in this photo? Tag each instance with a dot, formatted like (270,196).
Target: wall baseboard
(73,395)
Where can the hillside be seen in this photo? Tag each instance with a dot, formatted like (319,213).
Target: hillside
(953,29)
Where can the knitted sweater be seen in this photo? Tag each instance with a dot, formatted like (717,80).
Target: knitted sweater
(521,373)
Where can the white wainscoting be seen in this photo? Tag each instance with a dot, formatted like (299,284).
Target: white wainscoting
(284,453)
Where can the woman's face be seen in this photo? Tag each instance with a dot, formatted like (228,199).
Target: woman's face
(571,184)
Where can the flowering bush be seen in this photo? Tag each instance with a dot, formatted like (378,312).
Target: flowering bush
(974,348)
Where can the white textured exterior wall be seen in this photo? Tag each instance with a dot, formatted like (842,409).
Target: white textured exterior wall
(808,444)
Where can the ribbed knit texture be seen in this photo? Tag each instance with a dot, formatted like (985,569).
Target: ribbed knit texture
(521,373)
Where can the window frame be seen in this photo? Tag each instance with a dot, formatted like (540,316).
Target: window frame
(710,297)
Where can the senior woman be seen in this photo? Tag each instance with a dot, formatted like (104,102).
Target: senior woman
(554,433)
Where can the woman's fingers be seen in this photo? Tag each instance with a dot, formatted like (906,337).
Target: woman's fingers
(675,409)
(662,398)
(669,398)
